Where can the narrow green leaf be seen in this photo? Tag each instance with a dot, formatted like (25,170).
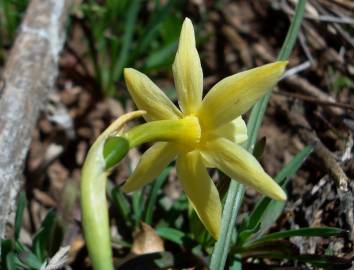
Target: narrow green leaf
(259,148)
(152,198)
(171,234)
(270,246)
(132,14)
(137,203)
(21,205)
(42,239)
(114,8)
(10,19)
(39,244)
(161,57)
(152,28)
(10,261)
(197,229)
(30,259)
(20,247)
(21,265)
(235,193)
(246,233)
(294,165)
(6,247)
(124,215)
(307,232)
(170,28)
(259,249)
(121,203)
(267,210)
(232,205)
(267,220)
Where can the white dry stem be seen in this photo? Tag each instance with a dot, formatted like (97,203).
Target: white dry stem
(297,69)
(58,260)
(28,76)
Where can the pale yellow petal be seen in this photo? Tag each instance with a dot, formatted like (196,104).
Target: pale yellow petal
(148,97)
(200,190)
(240,165)
(152,162)
(234,95)
(235,131)
(187,71)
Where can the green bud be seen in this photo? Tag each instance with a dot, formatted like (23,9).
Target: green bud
(114,150)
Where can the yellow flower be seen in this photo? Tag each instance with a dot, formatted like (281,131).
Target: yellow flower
(204,133)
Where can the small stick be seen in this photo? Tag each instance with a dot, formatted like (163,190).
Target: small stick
(323,18)
(304,86)
(315,100)
(297,69)
(305,47)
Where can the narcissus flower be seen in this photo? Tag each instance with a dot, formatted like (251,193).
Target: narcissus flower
(203,133)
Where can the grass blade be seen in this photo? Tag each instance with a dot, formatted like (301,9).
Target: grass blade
(30,260)
(171,234)
(121,203)
(10,19)
(21,205)
(232,205)
(6,247)
(291,168)
(236,191)
(259,249)
(127,41)
(137,204)
(151,201)
(42,240)
(10,261)
(161,57)
(264,208)
(152,29)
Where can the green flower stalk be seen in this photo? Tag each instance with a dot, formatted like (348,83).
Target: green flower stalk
(94,209)
(203,133)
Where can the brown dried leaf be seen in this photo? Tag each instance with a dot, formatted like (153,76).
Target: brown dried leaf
(44,198)
(147,241)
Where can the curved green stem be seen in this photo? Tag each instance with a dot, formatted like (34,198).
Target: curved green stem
(94,209)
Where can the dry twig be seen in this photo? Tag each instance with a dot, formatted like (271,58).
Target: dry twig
(315,100)
(304,86)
